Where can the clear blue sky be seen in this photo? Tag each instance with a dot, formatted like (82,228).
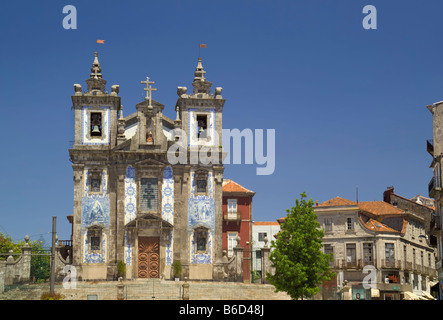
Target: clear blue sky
(348,104)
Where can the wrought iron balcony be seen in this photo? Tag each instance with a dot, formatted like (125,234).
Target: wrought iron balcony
(391,264)
(433,186)
(430,146)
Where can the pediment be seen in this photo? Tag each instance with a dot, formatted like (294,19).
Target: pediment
(149,161)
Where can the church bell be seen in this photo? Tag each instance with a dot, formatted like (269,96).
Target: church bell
(95,129)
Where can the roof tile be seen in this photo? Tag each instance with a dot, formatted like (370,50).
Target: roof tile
(232,186)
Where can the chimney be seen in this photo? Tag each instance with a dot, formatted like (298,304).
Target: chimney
(316,202)
(387,194)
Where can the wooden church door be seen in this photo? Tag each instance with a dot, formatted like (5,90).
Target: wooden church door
(148,257)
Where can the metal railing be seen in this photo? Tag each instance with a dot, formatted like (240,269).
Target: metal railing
(433,185)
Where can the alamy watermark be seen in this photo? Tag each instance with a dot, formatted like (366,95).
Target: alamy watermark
(70,280)
(205,149)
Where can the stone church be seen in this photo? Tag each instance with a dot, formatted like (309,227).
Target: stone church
(131,202)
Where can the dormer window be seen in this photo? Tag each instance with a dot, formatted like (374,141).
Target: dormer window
(96,124)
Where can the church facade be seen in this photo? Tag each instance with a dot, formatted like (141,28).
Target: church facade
(143,195)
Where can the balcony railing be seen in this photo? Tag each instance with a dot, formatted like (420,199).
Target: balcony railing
(232,216)
(390,264)
(430,146)
(352,264)
(434,185)
(65,243)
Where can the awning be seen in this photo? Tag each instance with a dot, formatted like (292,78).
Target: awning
(428,296)
(408,295)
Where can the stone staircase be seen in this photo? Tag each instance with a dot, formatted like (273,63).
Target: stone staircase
(152,289)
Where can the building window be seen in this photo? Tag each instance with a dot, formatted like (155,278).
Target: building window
(95,181)
(96,124)
(368,258)
(232,242)
(413,259)
(405,256)
(232,209)
(429,262)
(202,185)
(95,243)
(201,182)
(349,224)
(389,254)
(437,175)
(94,238)
(232,205)
(328,224)
(149,194)
(262,236)
(350,254)
(201,240)
(329,249)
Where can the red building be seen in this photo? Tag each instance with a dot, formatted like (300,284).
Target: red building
(237,221)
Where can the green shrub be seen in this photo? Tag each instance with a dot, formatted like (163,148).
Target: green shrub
(177,268)
(49,296)
(121,269)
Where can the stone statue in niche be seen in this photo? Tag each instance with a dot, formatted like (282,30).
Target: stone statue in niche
(149,139)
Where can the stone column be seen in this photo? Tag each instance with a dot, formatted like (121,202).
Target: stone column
(238,254)
(2,276)
(26,260)
(10,268)
(185,295)
(120,290)
(265,262)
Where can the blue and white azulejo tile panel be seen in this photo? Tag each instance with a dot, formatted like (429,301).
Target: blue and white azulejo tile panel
(130,195)
(168,196)
(201,214)
(95,214)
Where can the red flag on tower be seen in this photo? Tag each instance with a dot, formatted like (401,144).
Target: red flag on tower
(101,41)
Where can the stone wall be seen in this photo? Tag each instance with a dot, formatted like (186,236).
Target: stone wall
(14,271)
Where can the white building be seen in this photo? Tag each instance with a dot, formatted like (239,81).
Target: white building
(260,231)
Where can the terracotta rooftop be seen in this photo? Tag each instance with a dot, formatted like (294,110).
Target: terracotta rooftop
(337,201)
(266,223)
(230,186)
(375,225)
(379,208)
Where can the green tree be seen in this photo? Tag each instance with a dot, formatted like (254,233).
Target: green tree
(7,244)
(40,265)
(300,265)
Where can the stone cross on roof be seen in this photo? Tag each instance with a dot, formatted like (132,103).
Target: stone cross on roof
(148,90)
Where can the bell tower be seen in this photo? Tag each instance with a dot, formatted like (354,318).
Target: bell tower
(199,116)
(95,135)
(96,111)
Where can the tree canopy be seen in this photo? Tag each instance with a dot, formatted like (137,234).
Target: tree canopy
(300,265)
